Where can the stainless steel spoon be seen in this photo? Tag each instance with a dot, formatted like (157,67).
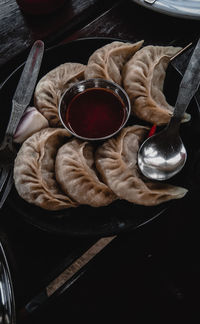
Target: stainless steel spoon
(163,155)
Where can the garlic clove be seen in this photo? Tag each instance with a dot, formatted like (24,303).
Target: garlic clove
(31,122)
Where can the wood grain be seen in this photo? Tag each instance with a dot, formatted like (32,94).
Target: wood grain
(18,30)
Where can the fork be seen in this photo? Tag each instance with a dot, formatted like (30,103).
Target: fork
(20,102)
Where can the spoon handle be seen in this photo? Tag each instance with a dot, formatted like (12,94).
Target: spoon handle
(188,86)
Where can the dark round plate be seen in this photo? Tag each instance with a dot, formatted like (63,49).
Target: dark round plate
(84,220)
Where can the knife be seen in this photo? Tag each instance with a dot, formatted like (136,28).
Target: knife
(20,102)
(26,85)
(72,271)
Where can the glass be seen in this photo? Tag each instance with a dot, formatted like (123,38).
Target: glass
(39,7)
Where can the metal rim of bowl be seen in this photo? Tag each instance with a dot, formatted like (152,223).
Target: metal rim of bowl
(96,81)
(7,302)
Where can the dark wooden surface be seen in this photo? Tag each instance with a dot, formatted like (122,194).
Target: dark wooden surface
(80,18)
(154,272)
(126,20)
(18,30)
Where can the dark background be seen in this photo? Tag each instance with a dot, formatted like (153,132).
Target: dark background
(149,274)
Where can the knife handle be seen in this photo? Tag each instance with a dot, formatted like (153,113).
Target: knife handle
(189,84)
(180,63)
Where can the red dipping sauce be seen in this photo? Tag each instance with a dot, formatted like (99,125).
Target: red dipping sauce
(95,113)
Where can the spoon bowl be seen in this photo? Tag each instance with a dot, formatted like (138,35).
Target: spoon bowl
(160,161)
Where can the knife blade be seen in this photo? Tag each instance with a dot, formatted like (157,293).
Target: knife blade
(26,86)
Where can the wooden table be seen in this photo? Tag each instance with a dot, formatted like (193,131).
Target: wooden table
(154,272)
(81,18)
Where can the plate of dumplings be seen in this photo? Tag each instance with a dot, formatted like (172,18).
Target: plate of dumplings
(69,186)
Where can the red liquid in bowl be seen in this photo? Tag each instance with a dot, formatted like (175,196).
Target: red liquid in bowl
(95,113)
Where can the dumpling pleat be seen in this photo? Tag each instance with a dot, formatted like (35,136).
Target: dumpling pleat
(51,87)
(116,160)
(77,177)
(107,62)
(34,170)
(143,79)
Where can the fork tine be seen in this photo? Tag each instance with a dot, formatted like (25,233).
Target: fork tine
(8,187)
(4,175)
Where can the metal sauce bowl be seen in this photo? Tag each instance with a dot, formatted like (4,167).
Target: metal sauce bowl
(81,86)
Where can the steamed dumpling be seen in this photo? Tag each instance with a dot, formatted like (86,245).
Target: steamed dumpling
(143,80)
(51,87)
(116,160)
(34,174)
(76,174)
(107,61)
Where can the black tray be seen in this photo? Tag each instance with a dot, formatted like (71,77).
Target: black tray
(84,220)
